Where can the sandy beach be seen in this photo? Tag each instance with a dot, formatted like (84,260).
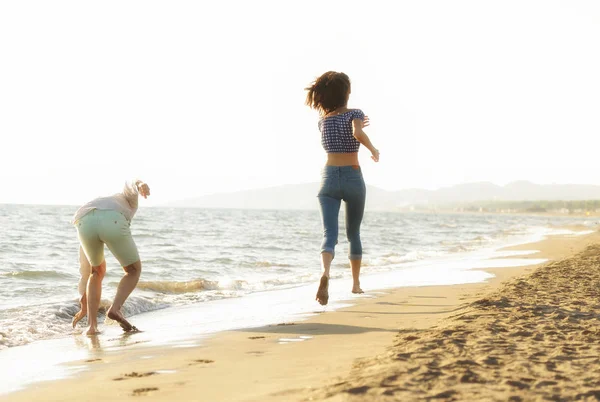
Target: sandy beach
(529,333)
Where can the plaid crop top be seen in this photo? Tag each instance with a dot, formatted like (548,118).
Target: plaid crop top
(336,132)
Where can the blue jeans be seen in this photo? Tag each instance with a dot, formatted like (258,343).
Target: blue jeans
(342,183)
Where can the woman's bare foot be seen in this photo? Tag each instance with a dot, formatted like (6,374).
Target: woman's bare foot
(356,288)
(118,317)
(82,312)
(323,292)
(92,331)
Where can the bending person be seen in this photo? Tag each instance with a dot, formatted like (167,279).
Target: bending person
(107,220)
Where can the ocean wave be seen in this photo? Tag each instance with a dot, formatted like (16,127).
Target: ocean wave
(164,244)
(199,285)
(448,225)
(138,305)
(233,284)
(512,232)
(178,287)
(23,325)
(37,275)
(481,239)
(275,282)
(402,258)
(459,248)
(222,260)
(267,264)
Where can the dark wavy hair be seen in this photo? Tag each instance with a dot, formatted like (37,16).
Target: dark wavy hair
(328,92)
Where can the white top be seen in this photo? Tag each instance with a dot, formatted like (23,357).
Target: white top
(125,202)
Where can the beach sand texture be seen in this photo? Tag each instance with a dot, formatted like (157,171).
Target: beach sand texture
(535,338)
(530,333)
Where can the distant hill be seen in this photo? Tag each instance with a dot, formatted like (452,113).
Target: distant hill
(303,196)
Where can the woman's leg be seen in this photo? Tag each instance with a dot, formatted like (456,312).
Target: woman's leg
(117,236)
(329,202)
(85,270)
(326,259)
(330,208)
(126,286)
(355,195)
(355,264)
(94,294)
(92,264)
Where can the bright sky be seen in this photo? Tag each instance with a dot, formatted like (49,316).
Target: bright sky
(197,97)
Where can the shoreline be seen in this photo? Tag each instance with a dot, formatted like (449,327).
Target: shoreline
(381,271)
(547,214)
(280,362)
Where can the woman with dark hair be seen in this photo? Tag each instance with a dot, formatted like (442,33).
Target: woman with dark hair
(341,135)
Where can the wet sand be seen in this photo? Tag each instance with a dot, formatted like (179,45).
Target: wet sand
(530,333)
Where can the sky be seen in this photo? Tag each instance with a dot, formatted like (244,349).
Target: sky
(200,97)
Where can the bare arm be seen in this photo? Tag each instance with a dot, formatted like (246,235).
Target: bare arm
(132,189)
(363,138)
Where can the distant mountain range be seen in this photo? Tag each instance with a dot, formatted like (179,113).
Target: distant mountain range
(303,196)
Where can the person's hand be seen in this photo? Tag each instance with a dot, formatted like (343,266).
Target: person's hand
(366,121)
(375,155)
(143,189)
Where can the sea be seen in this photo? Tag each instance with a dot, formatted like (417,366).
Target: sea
(194,258)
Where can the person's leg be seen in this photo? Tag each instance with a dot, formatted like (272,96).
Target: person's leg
(126,286)
(355,265)
(329,202)
(85,270)
(354,195)
(92,269)
(117,236)
(94,294)
(326,260)
(330,208)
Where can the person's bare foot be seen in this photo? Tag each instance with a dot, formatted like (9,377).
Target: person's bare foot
(82,312)
(118,317)
(356,289)
(323,292)
(92,331)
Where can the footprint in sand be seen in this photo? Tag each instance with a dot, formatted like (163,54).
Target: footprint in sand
(403,356)
(445,395)
(358,390)
(134,374)
(202,361)
(143,391)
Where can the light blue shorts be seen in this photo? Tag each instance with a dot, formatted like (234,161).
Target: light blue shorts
(100,227)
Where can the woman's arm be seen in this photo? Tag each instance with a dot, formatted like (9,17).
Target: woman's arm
(363,138)
(132,189)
